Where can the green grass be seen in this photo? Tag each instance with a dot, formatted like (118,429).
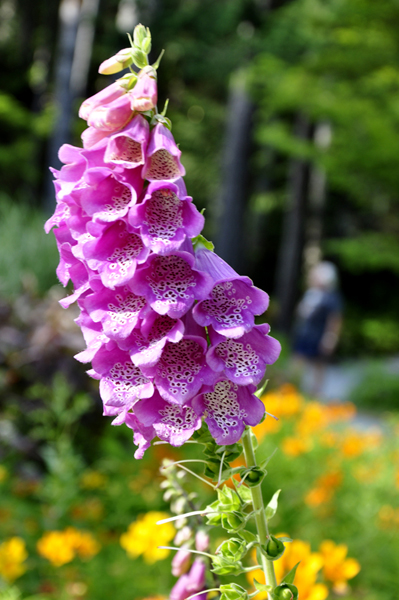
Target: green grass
(28,257)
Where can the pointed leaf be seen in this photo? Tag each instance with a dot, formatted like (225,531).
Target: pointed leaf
(271,508)
(289,578)
(248,536)
(284,539)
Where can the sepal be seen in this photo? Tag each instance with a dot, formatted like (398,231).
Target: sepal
(233,591)
(273,549)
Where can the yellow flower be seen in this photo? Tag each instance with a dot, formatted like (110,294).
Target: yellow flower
(52,545)
(92,480)
(324,489)
(12,554)
(144,536)
(61,547)
(306,574)
(82,542)
(337,568)
(293,446)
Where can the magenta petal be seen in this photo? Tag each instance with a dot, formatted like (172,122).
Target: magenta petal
(108,94)
(112,116)
(170,284)
(118,310)
(172,423)
(181,370)
(144,94)
(105,198)
(243,360)
(122,383)
(163,157)
(146,346)
(142,435)
(233,301)
(165,219)
(128,147)
(92,136)
(228,408)
(115,255)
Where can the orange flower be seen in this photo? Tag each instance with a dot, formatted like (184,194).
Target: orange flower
(313,419)
(340,411)
(324,489)
(293,446)
(306,574)
(337,568)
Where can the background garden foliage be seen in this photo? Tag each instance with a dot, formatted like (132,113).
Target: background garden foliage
(73,502)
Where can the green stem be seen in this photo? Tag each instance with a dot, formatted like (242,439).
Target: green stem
(260,516)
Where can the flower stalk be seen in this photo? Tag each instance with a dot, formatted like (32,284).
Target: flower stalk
(258,506)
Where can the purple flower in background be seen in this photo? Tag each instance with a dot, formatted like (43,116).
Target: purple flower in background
(163,156)
(228,408)
(190,583)
(181,562)
(128,147)
(171,283)
(243,360)
(165,218)
(233,301)
(172,423)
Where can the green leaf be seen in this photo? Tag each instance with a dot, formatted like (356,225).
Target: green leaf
(284,539)
(271,508)
(262,587)
(248,536)
(289,578)
(201,241)
(259,393)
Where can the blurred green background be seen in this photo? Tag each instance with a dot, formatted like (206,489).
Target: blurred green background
(287,115)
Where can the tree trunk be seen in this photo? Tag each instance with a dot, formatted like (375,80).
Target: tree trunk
(229,239)
(77,20)
(290,252)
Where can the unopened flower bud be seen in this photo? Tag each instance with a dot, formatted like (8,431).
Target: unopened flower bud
(183,536)
(201,540)
(273,549)
(181,562)
(233,549)
(139,58)
(140,34)
(116,63)
(286,591)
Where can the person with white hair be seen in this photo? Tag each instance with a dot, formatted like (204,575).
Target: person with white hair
(319,320)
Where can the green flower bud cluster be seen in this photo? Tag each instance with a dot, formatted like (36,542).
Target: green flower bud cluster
(218,458)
